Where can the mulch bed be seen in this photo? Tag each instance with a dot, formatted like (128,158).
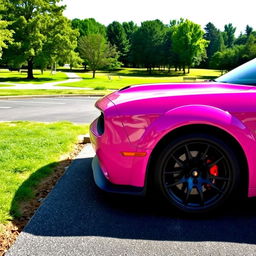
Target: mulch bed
(11,230)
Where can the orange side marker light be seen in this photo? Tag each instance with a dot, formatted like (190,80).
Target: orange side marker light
(139,154)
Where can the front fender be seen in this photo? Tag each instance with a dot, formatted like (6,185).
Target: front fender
(207,115)
(194,114)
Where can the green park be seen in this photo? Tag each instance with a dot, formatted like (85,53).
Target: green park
(40,49)
(109,57)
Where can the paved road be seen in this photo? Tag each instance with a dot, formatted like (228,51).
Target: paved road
(78,219)
(75,109)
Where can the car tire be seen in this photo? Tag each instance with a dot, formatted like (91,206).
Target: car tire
(197,173)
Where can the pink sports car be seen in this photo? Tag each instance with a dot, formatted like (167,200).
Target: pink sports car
(195,143)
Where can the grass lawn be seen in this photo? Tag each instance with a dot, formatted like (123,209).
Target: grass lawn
(28,152)
(130,76)
(6,85)
(17,77)
(6,92)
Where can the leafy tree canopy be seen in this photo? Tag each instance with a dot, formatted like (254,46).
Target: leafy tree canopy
(215,38)
(228,58)
(248,30)
(88,27)
(5,33)
(5,36)
(60,44)
(37,25)
(129,28)
(189,44)
(250,48)
(229,35)
(117,37)
(147,45)
(95,51)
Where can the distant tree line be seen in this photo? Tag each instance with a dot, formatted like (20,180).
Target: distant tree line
(36,34)
(180,44)
(225,51)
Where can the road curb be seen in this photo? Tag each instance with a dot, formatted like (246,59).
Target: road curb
(50,96)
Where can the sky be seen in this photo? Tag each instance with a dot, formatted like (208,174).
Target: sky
(219,12)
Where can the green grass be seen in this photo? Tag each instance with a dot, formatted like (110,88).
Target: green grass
(6,85)
(29,92)
(130,76)
(28,153)
(17,77)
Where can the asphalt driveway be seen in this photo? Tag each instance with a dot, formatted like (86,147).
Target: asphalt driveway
(78,219)
(73,109)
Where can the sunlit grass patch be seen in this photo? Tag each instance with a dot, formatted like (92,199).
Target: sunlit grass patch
(129,76)
(20,77)
(28,153)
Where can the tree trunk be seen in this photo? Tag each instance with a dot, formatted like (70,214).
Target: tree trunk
(30,69)
(188,69)
(93,73)
(53,68)
(42,71)
(184,70)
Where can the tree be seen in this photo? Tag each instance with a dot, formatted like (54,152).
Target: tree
(60,44)
(74,59)
(215,38)
(130,28)
(189,44)
(147,44)
(95,50)
(5,34)
(116,36)
(88,26)
(229,35)
(33,23)
(241,40)
(248,30)
(228,58)
(170,57)
(250,48)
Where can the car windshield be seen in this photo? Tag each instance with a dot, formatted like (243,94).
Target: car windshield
(244,74)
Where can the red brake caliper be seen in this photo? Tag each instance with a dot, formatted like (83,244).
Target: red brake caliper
(214,171)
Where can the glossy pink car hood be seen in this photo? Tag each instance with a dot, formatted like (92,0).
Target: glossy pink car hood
(151,92)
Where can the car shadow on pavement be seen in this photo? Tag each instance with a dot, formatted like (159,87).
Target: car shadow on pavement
(76,207)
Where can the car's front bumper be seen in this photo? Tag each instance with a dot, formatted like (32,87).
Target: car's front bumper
(106,185)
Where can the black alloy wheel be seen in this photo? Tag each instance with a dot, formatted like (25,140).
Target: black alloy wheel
(197,172)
